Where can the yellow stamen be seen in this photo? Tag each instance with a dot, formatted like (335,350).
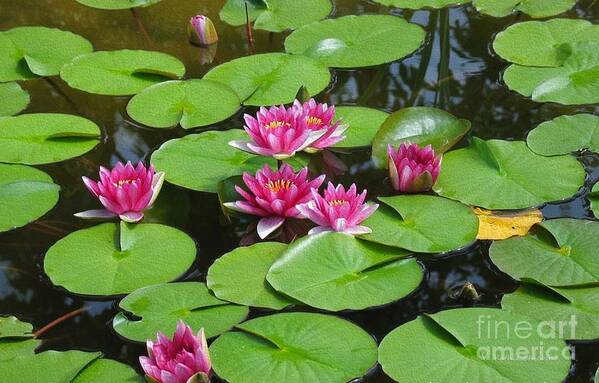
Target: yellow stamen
(337,202)
(278,185)
(314,121)
(277,124)
(120,183)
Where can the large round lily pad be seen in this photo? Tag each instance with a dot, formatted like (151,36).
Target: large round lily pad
(112,259)
(335,271)
(25,195)
(498,174)
(294,348)
(42,138)
(201,161)
(13,99)
(117,4)
(421,4)
(158,309)
(576,82)
(363,125)
(533,8)
(418,125)
(276,15)
(573,310)
(28,52)
(271,78)
(564,254)
(120,73)
(191,103)
(473,345)
(240,276)
(422,223)
(543,43)
(565,134)
(356,41)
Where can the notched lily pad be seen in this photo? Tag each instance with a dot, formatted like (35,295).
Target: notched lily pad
(160,307)
(13,99)
(534,8)
(11,327)
(565,134)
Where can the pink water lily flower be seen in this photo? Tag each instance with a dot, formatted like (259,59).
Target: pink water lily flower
(278,132)
(413,169)
(201,31)
(339,210)
(274,195)
(185,359)
(125,191)
(318,117)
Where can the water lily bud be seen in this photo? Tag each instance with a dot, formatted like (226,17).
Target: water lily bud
(413,169)
(201,31)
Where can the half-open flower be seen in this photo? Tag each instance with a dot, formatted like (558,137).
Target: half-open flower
(201,31)
(278,132)
(318,117)
(184,359)
(413,169)
(339,210)
(125,191)
(274,195)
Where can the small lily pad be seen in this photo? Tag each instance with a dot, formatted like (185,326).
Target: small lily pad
(28,52)
(363,125)
(422,223)
(418,125)
(47,367)
(13,99)
(422,4)
(240,276)
(111,259)
(122,72)
(271,78)
(11,327)
(534,8)
(191,103)
(294,348)
(160,307)
(473,345)
(276,15)
(560,252)
(335,271)
(543,43)
(573,310)
(117,4)
(42,138)
(201,161)
(356,41)
(565,134)
(576,82)
(25,195)
(498,174)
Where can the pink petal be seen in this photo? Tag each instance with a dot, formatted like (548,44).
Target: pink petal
(268,225)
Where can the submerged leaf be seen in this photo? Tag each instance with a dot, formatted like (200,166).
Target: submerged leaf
(117,4)
(503,225)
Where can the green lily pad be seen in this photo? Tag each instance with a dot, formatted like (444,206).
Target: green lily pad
(277,15)
(564,254)
(573,310)
(201,161)
(11,348)
(271,78)
(47,367)
(160,307)
(335,271)
(108,371)
(534,8)
(498,174)
(421,4)
(191,103)
(543,43)
(576,82)
(472,345)
(356,41)
(25,195)
(565,134)
(13,99)
(28,52)
(111,259)
(240,276)
(594,199)
(294,348)
(418,125)
(122,72)
(117,4)
(11,327)
(363,125)
(422,223)
(42,138)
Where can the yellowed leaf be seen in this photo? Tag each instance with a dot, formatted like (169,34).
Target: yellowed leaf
(502,225)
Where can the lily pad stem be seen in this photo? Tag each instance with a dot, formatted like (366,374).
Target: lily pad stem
(58,321)
(248,29)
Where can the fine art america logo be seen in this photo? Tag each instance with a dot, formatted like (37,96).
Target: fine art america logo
(525,340)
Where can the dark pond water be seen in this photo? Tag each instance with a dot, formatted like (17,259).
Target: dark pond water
(469,87)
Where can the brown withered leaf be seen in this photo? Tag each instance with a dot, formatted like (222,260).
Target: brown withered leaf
(498,225)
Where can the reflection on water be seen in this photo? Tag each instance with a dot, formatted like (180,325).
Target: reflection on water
(455,70)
